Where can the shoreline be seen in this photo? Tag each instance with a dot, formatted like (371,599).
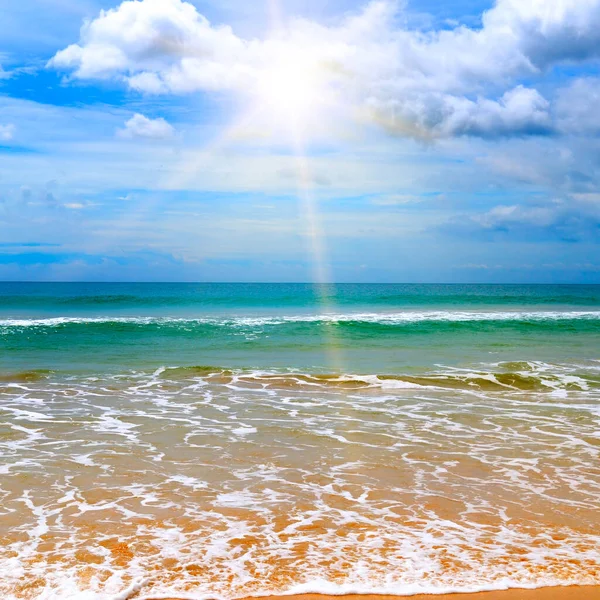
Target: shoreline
(586,592)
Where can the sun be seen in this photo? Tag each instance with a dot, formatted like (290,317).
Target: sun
(291,90)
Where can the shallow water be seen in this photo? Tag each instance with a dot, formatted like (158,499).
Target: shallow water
(384,449)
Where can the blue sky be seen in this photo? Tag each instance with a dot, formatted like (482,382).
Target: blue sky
(292,140)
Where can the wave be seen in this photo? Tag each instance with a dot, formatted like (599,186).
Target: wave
(324,587)
(26,376)
(408,317)
(507,376)
(534,377)
(510,376)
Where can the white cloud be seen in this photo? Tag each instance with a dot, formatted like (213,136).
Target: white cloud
(413,83)
(519,111)
(568,219)
(7,132)
(577,107)
(140,126)
(548,31)
(154,45)
(504,216)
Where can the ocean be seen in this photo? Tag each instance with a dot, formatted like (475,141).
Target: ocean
(234,440)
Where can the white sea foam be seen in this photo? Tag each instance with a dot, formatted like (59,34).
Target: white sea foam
(405,317)
(384,489)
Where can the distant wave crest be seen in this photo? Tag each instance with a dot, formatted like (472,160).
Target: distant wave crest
(399,318)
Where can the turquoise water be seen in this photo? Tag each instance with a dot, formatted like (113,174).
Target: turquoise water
(357,328)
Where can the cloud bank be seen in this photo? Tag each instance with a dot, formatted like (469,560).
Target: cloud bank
(445,83)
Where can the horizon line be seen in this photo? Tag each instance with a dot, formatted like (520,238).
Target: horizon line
(311,283)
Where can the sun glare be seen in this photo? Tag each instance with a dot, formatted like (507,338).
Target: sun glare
(291,91)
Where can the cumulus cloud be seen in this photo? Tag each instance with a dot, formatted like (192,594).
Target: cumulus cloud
(520,111)
(549,31)
(155,45)
(7,132)
(140,126)
(460,81)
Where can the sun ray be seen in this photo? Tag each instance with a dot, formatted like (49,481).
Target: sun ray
(288,94)
(292,90)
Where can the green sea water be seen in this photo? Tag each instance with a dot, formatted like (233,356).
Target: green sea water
(354,328)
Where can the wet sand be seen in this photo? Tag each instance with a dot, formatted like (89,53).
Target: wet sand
(202,491)
(550,593)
